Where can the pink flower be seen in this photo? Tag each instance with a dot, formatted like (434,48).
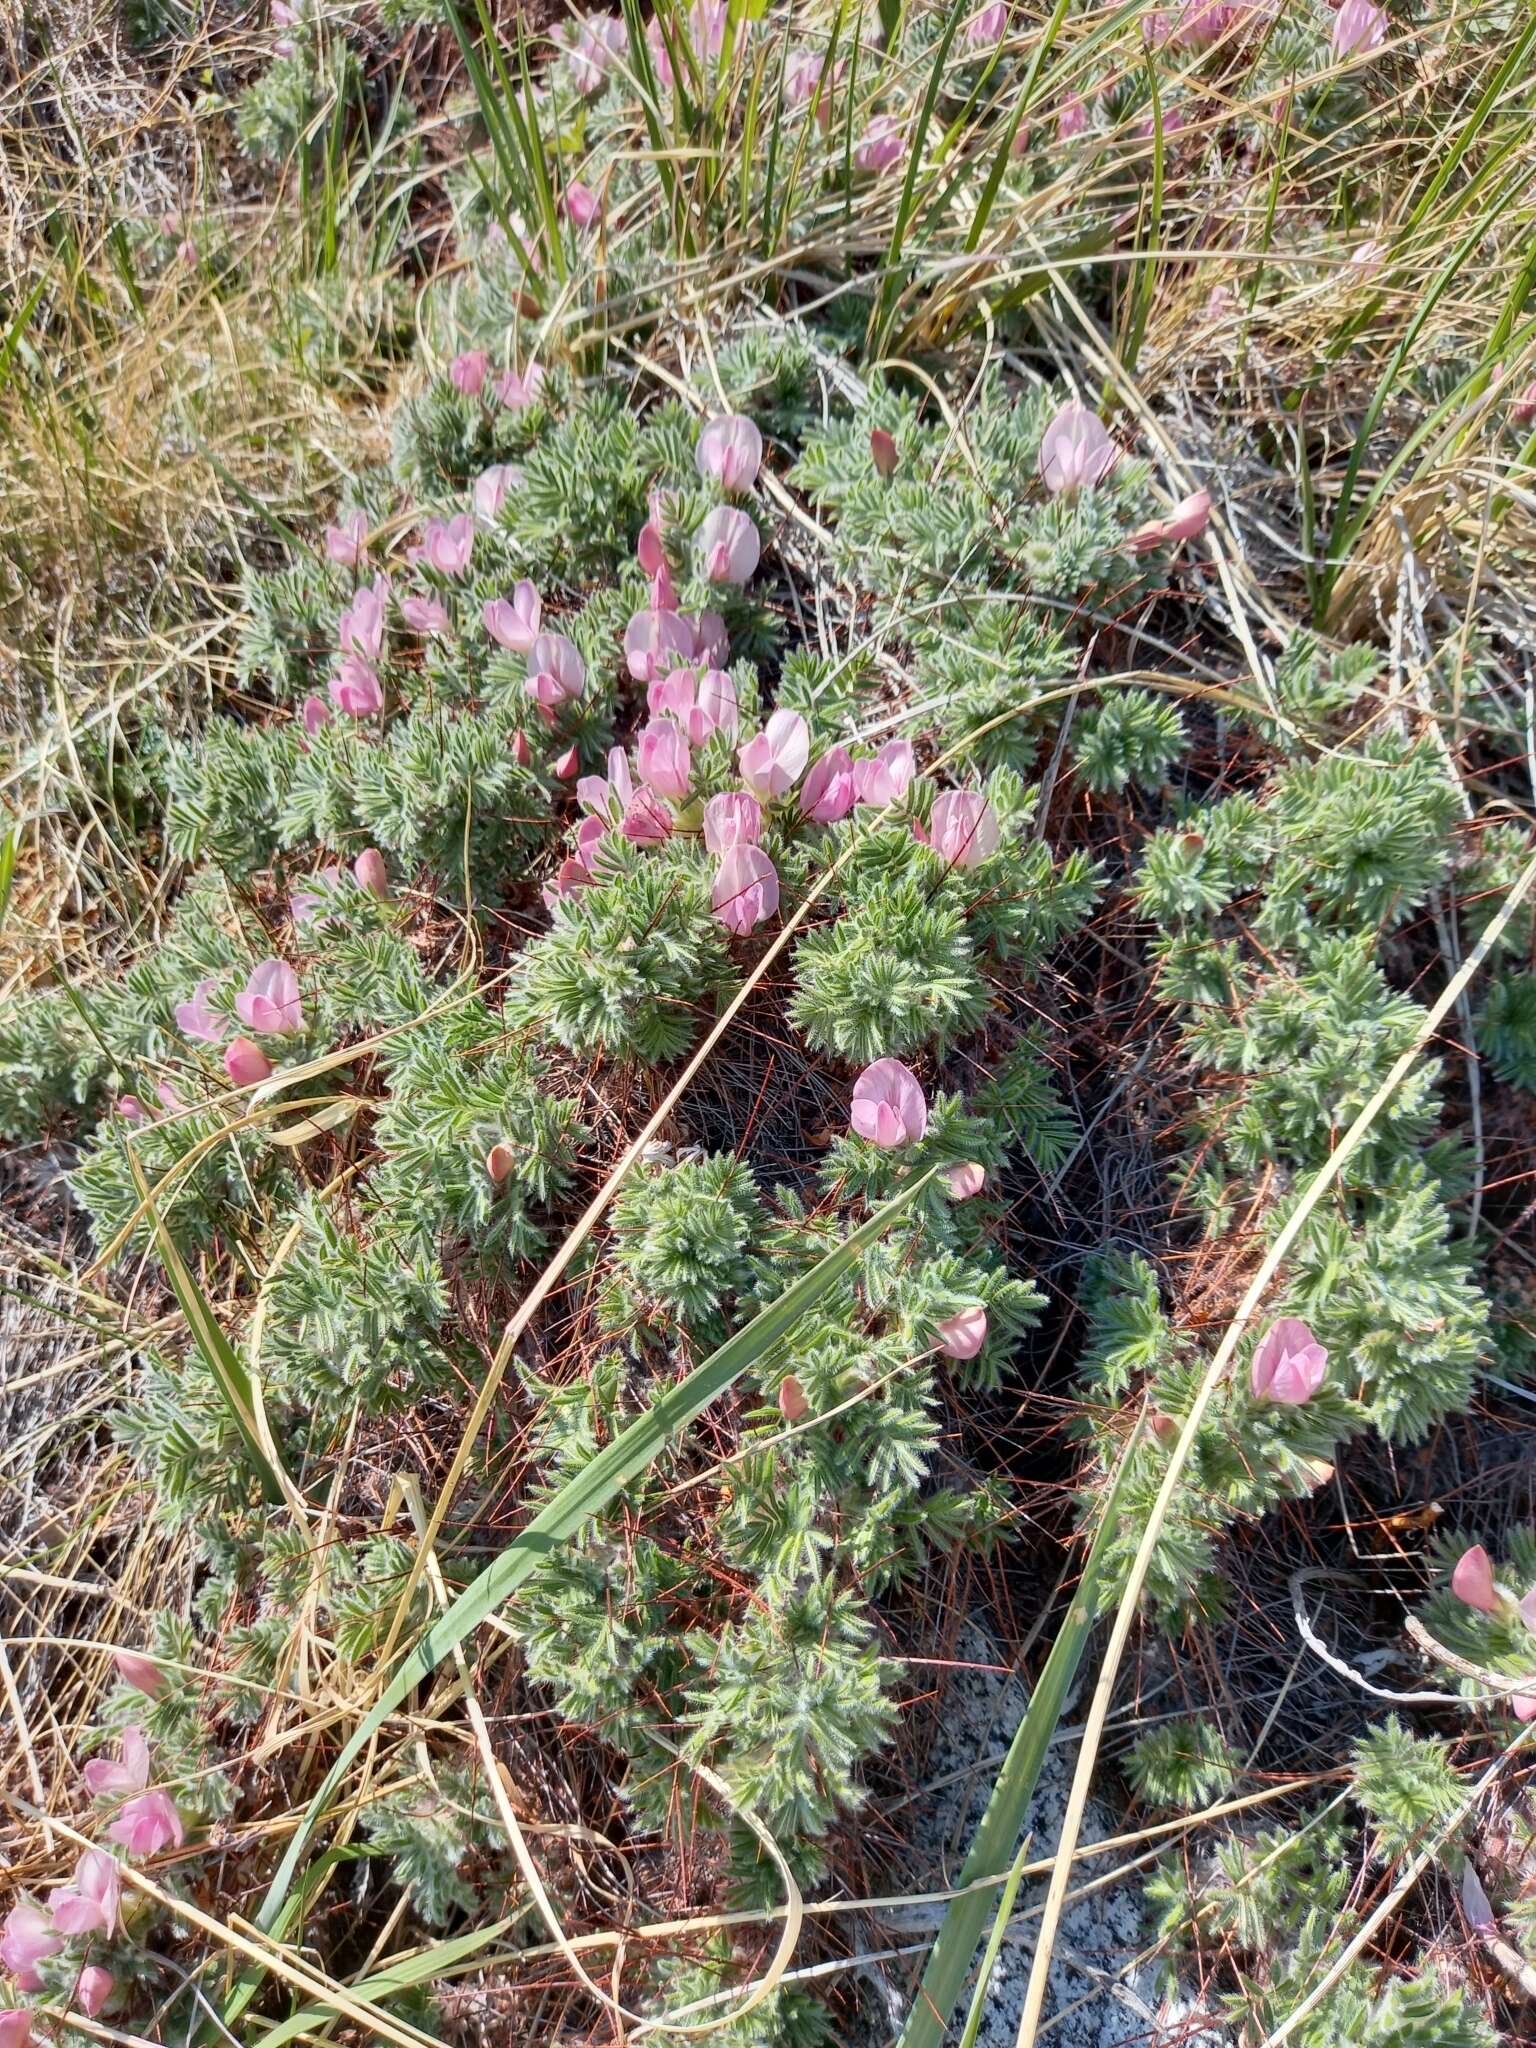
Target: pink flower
(246,1063)
(516,392)
(965,1181)
(564,766)
(514,624)
(987,26)
(802,69)
(130,1109)
(1522,407)
(149,1824)
(606,796)
(1523,1705)
(91,1903)
(664,759)
(1075,450)
(1072,119)
(370,873)
(139,1671)
(446,545)
(581,203)
(467,372)
(883,452)
(1358,27)
(93,1988)
(425,614)
(1187,521)
(963,830)
(710,641)
(269,1002)
(746,889)
(1472,1581)
(1528,1610)
(646,820)
(305,905)
(522,753)
(347,543)
(717,701)
(654,642)
(889,1106)
(590,834)
(194,1017)
(28,1940)
(1368,258)
(1288,1363)
(355,688)
(773,762)
(499,1163)
(490,490)
(107,1780)
(882,144)
(315,712)
(830,789)
(1201,23)
(888,776)
(733,819)
(731,450)
(362,623)
(556,672)
(166,1096)
(601,38)
(696,705)
(962,1335)
(793,1405)
(16,2025)
(729,545)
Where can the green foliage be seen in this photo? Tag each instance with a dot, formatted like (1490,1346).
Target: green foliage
(1185,1764)
(683,1241)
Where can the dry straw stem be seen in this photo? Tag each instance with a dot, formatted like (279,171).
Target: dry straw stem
(1125,1616)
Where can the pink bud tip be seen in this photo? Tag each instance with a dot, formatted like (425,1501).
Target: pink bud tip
(245,1062)
(141,1672)
(883,451)
(965,1181)
(566,766)
(1472,1581)
(371,874)
(792,1402)
(522,753)
(963,1335)
(499,1163)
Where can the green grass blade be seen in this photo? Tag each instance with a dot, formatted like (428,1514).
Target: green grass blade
(570,1511)
(7,871)
(993,1948)
(389,1982)
(993,1846)
(891,273)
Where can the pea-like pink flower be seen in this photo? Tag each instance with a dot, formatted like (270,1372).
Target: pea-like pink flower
(269,1002)
(962,1335)
(130,1109)
(606,796)
(1072,119)
(600,38)
(556,672)
(581,203)
(1522,407)
(89,1905)
(347,542)
(564,766)
(370,873)
(655,642)
(646,820)
(305,905)
(514,622)
(1472,1581)
(729,545)
(699,705)
(986,26)
(883,144)
(467,372)
(425,614)
(746,889)
(195,1018)
(28,1940)
(731,451)
(773,762)
(246,1063)
(963,830)
(886,777)
(883,452)
(664,759)
(732,819)
(830,790)
(139,1671)
(491,489)
(1187,521)
(93,1987)
(16,2025)
(355,688)
(889,1107)
(522,753)
(590,834)
(518,390)
(1528,1610)
(499,1163)
(361,626)
(1075,450)
(1359,29)
(107,1780)
(802,68)
(314,712)
(1289,1365)
(1523,1705)
(965,1181)
(447,544)
(149,1824)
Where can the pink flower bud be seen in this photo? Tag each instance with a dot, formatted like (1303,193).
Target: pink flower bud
(830,789)
(139,1671)
(15,2025)
(1522,408)
(773,762)
(467,372)
(246,1063)
(729,545)
(1072,119)
(793,1405)
(1472,1581)
(361,628)
(730,450)
(746,888)
(963,1335)
(556,672)
(315,712)
(130,1109)
(1162,1426)
(717,702)
(565,765)
(499,1163)
(664,759)
(446,545)
(581,203)
(1523,1705)
(93,1988)
(1190,517)
(490,490)
(734,819)
(370,873)
(1288,1364)
(965,1181)
(887,777)
(963,830)
(522,753)
(517,392)
(889,1107)
(269,1002)
(1075,450)
(425,614)
(883,451)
